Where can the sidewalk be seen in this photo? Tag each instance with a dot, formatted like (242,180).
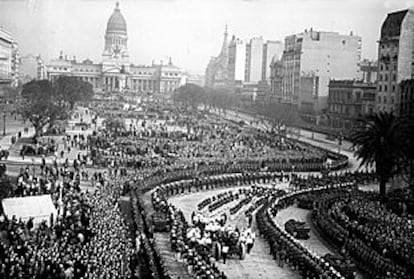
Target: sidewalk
(318,139)
(15,158)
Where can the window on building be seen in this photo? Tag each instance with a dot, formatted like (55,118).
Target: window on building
(386,77)
(393,88)
(385,99)
(394,77)
(385,88)
(392,99)
(380,77)
(381,67)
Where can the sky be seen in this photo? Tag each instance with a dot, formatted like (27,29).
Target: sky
(189,31)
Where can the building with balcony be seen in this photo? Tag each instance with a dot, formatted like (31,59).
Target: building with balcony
(406,104)
(310,60)
(9,59)
(395,59)
(349,100)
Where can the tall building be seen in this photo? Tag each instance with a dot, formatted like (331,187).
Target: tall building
(242,63)
(217,71)
(276,77)
(237,60)
(31,67)
(348,100)
(15,71)
(116,73)
(259,55)
(271,50)
(406,103)
(395,59)
(310,60)
(254,60)
(9,59)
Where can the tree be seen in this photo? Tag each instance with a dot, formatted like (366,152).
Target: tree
(40,104)
(189,95)
(73,90)
(6,186)
(44,102)
(10,94)
(408,145)
(378,141)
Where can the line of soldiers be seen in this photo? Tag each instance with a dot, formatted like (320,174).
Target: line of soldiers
(356,178)
(333,218)
(284,248)
(220,181)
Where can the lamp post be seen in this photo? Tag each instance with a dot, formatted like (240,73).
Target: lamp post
(4,122)
(340,138)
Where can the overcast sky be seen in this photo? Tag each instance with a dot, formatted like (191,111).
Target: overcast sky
(191,31)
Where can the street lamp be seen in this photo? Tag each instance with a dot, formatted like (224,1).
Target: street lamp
(4,122)
(340,138)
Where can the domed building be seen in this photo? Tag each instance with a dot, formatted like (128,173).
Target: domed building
(116,51)
(116,73)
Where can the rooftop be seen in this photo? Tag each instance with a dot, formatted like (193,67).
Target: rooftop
(392,24)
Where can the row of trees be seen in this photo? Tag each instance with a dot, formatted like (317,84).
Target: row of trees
(44,102)
(225,98)
(386,142)
(383,140)
(192,95)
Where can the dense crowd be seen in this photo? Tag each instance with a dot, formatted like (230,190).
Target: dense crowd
(85,238)
(362,226)
(156,144)
(284,248)
(183,153)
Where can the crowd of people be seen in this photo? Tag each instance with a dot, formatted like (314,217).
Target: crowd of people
(361,225)
(154,144)
(180,153)
(284,248)
(85,239)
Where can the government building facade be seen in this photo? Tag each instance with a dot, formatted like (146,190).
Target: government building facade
(116,73)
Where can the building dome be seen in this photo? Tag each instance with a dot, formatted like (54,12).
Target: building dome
(117,21)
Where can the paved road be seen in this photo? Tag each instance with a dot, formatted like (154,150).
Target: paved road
(313,138)
(259,264)
(315,242)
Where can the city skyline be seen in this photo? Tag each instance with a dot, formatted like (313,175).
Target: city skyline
(188,31)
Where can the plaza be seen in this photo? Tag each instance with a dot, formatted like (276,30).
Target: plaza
(115,169)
